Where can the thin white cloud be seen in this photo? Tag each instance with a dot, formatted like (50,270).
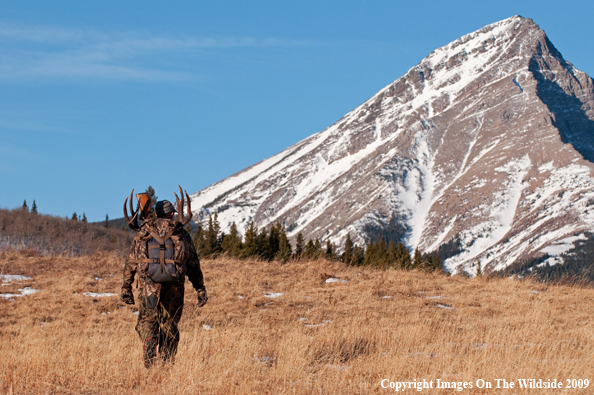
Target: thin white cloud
(14,126)
(74,53)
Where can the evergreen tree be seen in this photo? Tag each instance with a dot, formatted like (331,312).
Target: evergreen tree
(358,255)
(318,247)
(299,246)
(418,261)
(403,256)
(250,245)
(392,254)
(329,251)
(310,250)
(479,270)
(435,263)
(272,247)
(34,207)
(198,239)
(74,217)
(347,255)
(25,207)
(381,253)
(284,247)
(212,244)
(231,243)
(106,221)
(152,197)
(84,218)
(369,254)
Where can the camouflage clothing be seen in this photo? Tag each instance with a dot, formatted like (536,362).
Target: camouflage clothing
(161,304)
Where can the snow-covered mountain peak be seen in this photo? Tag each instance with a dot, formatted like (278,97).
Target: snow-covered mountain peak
(475,143)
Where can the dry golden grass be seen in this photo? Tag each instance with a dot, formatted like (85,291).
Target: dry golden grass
(59,341)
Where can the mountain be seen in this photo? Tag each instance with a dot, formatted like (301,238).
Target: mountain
(487,142)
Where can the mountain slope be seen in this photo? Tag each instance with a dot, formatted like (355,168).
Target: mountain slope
(488,139)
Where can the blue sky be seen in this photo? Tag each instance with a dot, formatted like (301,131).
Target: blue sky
(99,97)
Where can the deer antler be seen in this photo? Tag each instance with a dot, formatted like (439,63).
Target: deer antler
(130,222)
(180,207)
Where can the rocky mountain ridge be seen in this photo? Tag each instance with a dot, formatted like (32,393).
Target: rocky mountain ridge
(488,140)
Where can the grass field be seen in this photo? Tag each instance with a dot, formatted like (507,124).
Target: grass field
(318,337)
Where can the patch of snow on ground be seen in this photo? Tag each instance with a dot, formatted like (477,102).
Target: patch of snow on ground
(6,278)
(562,246)
(99,295)
(335,280)
(23,292)
(552,261)
(273,294)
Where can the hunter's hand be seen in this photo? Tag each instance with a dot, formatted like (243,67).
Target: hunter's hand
(127,296)
(202,298)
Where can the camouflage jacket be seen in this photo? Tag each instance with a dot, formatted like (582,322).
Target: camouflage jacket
(184,252)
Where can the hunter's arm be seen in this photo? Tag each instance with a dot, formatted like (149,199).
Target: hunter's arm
(137,250)
(194,272)
(129,273)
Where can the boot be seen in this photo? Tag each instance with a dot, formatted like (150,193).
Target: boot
(150,351)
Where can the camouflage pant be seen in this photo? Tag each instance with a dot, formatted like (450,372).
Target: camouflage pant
(159,313)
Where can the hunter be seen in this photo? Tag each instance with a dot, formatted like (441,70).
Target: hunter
(162,255)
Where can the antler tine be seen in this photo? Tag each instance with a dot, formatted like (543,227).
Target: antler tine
(128,220)
(126,211)
(181,194)
(131,199)
(190,215)
(180,207)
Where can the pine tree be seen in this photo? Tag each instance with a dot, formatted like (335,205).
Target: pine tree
(418,260)
(299,246)
(381,253)
(358,255)
(329,253)
(262,244)
(212,244)
(152,197)
(106,221)
(369,253)
(318,247)
(198,239)
(84,218)
(272,247)
(392,254)
(403,256)
(231,243)
(435,263)
(347,255)
(284,247)
(25,207)
(250,246)
(74,217)
(310,250)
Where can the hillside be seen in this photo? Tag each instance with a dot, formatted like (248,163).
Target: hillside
(314,336)
(48,235)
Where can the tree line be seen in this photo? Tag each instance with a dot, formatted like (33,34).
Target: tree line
(273,244)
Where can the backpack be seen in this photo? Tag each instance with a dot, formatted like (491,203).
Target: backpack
(162,266)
